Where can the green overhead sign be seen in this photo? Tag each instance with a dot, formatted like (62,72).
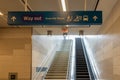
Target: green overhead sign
(55,18)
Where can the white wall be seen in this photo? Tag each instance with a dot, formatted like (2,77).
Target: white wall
(105,47)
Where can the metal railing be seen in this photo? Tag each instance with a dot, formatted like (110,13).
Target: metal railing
(68,76)
(44,74)
(43,64)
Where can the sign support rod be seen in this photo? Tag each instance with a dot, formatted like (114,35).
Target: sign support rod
(85,5)
(26,5)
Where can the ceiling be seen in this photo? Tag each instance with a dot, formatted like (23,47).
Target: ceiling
(55,5)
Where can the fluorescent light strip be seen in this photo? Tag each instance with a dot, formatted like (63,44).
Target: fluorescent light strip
(63,5)
(1,14)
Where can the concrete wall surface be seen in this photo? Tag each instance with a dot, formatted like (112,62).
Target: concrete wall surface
(15,53)
(105,47)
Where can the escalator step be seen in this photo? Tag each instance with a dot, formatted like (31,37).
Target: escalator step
(80,61)
(82,76)
(81,66)
(82,79)
(55,77)
(81,70)
(56,74)
(82,73)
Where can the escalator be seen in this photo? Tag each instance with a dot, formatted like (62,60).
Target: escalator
(59,67)
(81,66)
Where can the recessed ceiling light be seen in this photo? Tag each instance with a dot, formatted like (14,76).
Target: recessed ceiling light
(63,5)
(1,14)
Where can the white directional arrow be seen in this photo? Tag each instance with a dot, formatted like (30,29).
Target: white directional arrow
(13,18)
(95,18)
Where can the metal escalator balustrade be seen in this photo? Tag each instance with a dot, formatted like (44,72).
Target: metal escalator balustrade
(81,66)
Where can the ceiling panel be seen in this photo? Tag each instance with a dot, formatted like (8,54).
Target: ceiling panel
(79,5)
(75,5)
(91,4)
(10,5)
(44,5)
